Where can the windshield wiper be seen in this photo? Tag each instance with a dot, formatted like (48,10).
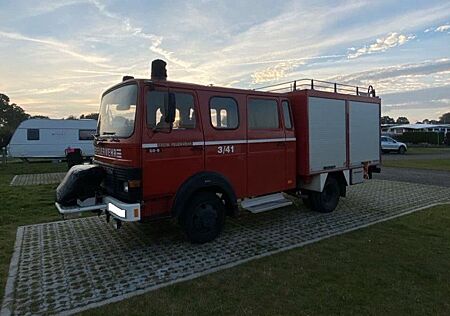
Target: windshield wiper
(109,133)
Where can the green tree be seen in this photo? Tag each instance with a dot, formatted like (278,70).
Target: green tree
(39,117)
(92,116)
(445,118)
(402,120)
(387,120)
(11,115)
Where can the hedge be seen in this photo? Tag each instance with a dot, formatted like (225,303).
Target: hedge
(433,138)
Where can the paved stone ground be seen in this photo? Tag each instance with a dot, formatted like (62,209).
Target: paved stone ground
(433,177)
(37,178)
(69,266)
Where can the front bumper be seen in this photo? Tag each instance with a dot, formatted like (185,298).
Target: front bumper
(127,212)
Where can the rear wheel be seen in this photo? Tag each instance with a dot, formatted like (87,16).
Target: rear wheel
(402,150)
(307,201)
(327,200)
(204,218)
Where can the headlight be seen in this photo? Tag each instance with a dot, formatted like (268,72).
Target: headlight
(125,186)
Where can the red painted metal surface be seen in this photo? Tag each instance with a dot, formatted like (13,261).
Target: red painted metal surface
(257,164)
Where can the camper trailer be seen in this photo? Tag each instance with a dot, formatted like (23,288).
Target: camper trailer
(47,138)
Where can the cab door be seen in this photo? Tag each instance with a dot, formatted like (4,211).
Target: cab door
(224,123)
(290,145)
(266,152)
(170,156)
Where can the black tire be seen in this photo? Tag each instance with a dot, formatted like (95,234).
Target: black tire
(402,150)
(307,201)
(327,200)
(204,218)
(306,198)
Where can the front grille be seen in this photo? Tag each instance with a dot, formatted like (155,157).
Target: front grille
(114,179)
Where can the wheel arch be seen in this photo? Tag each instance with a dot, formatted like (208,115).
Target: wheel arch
(318,181)
(342,179)
(201,182)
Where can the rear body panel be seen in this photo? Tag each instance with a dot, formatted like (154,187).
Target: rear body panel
(364,124)
(327,134)
(335,131)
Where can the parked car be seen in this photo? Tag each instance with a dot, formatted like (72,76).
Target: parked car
(389,144)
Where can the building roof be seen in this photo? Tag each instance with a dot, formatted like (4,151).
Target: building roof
(61,124)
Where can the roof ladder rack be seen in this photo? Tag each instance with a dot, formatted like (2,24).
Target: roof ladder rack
(318,85)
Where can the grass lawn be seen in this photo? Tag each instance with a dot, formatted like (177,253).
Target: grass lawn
(22,206)
(397,267)
(433,164)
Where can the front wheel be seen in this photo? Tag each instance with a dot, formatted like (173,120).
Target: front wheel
(204,218)
(327,200)
(402,150)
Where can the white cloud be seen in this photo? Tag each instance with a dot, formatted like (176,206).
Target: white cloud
(443,28)
(382,44)
(429,67)
(274,72)
(155,40)
(60,47)
(36,8)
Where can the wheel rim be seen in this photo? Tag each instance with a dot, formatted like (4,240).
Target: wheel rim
(205,218)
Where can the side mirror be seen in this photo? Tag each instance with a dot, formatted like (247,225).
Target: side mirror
(171,106)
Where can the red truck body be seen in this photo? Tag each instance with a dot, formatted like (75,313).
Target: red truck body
(237,144)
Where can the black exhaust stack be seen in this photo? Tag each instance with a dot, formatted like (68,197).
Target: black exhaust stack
(159,71)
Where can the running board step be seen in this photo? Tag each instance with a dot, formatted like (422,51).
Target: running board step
(265,203)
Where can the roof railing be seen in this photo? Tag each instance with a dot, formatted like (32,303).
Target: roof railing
(319,85)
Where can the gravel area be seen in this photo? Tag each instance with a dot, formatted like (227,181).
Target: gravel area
(432,177)
(69,266)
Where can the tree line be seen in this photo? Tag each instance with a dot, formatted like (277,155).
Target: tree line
(444,119)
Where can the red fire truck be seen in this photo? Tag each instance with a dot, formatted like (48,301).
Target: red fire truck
(199,153)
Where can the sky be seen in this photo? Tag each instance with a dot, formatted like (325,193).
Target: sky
(56,57)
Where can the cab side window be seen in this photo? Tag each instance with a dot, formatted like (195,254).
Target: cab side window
(286,114)
(184,112)
(263,114)
(223,113)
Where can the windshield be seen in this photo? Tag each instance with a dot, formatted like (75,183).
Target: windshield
(117,112)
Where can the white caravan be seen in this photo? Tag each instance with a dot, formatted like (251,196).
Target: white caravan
(47,138)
